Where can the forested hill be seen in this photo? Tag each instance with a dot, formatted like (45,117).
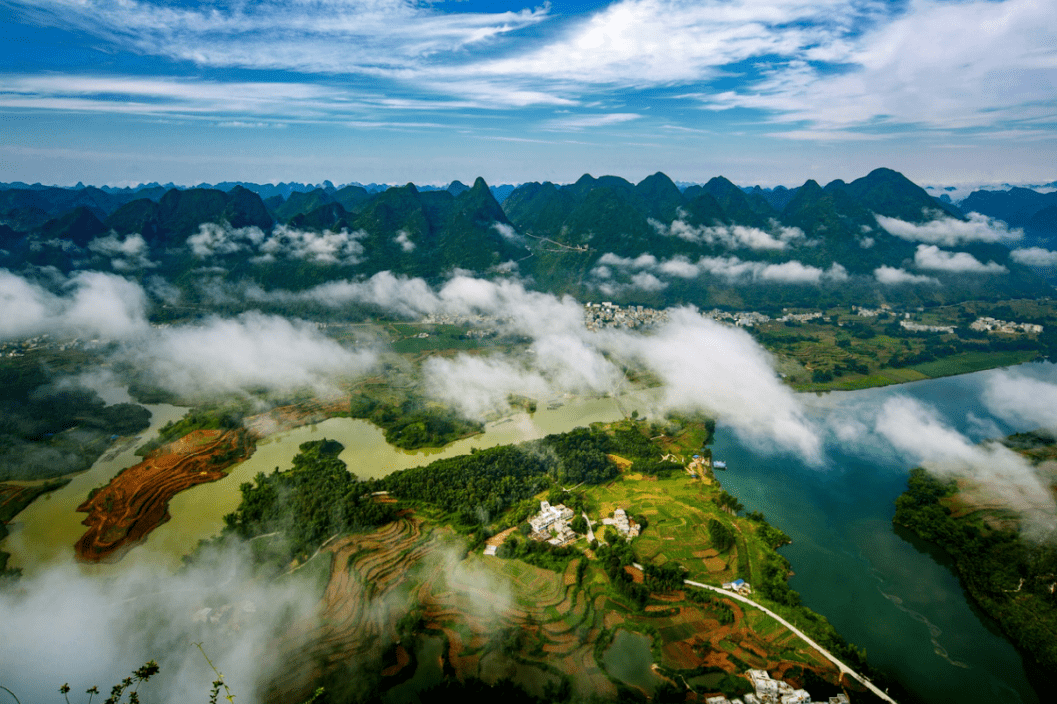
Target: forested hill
(879,237)
(1010,577)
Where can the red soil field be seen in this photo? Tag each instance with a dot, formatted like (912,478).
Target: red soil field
(136,501)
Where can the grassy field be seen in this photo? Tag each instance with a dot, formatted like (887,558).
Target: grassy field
(972,362)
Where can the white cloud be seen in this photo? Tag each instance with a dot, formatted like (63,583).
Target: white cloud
(705,366)
(213,239)
(787,272)
(1020,399)
(91,304)
(891,276)
(721,370)
(326,36)
(404,240)
(325,247)
(934,64)
(101,629)
(250,351)
(579,122)
(931,257)
(731,268)
(1034,256)
(924,438)
(734,236)
(949,232)
(320,248)
(647,282)
(125,255)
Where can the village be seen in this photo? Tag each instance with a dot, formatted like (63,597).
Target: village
(772,691)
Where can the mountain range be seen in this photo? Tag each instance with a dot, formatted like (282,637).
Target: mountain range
(652,242)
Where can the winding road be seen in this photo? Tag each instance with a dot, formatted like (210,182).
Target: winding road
(825,653)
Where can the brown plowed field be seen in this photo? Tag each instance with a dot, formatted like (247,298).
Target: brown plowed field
(136,501)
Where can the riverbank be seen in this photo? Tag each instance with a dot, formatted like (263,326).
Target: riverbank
(1007,575)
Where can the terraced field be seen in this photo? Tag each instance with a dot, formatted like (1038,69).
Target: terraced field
(504,618)
(136,501)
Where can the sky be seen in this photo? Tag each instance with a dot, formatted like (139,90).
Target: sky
(772,92)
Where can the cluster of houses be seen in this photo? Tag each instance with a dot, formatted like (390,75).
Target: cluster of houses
(1004,326)
(624,525)
(607,315)
(772,691)
(553,520)
(551,524)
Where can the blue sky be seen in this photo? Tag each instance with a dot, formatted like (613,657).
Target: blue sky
(761,91)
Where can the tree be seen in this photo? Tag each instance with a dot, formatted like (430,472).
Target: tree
(579,524)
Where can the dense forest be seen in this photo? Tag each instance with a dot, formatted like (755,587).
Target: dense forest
(49,429)
(316,499)
(413,424)
(1009,576)
(473,489)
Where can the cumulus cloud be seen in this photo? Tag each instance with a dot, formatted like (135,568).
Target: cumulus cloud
(721,370)
(704,365)
(793,272)
(646,281)
(733,236)
(328,247)
(931,257)
(1034,256)
(404,240)
(731,268)
(926,439)
(1017,398)
(325,247)
(90,303)
(128,254)
(250,351)
(89,631)
(949,232)
(891,276)
(213,239)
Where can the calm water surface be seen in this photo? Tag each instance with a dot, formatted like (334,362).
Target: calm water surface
(885,593)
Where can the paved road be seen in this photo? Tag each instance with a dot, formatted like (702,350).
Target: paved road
(825,653)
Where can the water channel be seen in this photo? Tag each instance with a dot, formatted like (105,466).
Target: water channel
(886,593)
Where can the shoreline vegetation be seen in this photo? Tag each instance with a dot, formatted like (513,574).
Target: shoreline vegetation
(420,533)
(1010,576)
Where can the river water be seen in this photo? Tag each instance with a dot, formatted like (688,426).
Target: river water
(881,591)
(886,593)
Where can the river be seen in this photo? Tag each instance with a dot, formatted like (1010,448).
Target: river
(882,592)
(886,593)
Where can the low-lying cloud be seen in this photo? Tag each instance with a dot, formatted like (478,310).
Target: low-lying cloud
(230,355)
(705,366)
(918,431)
(89,304)
(63,626)
(949,232)
(891,276)
(128,254)
(327,247)
(218,355)
(729,268)
(1034,256)
(931,257)
(778,237)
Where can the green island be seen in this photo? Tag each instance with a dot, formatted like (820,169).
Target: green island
(1008,574)
(432,580)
